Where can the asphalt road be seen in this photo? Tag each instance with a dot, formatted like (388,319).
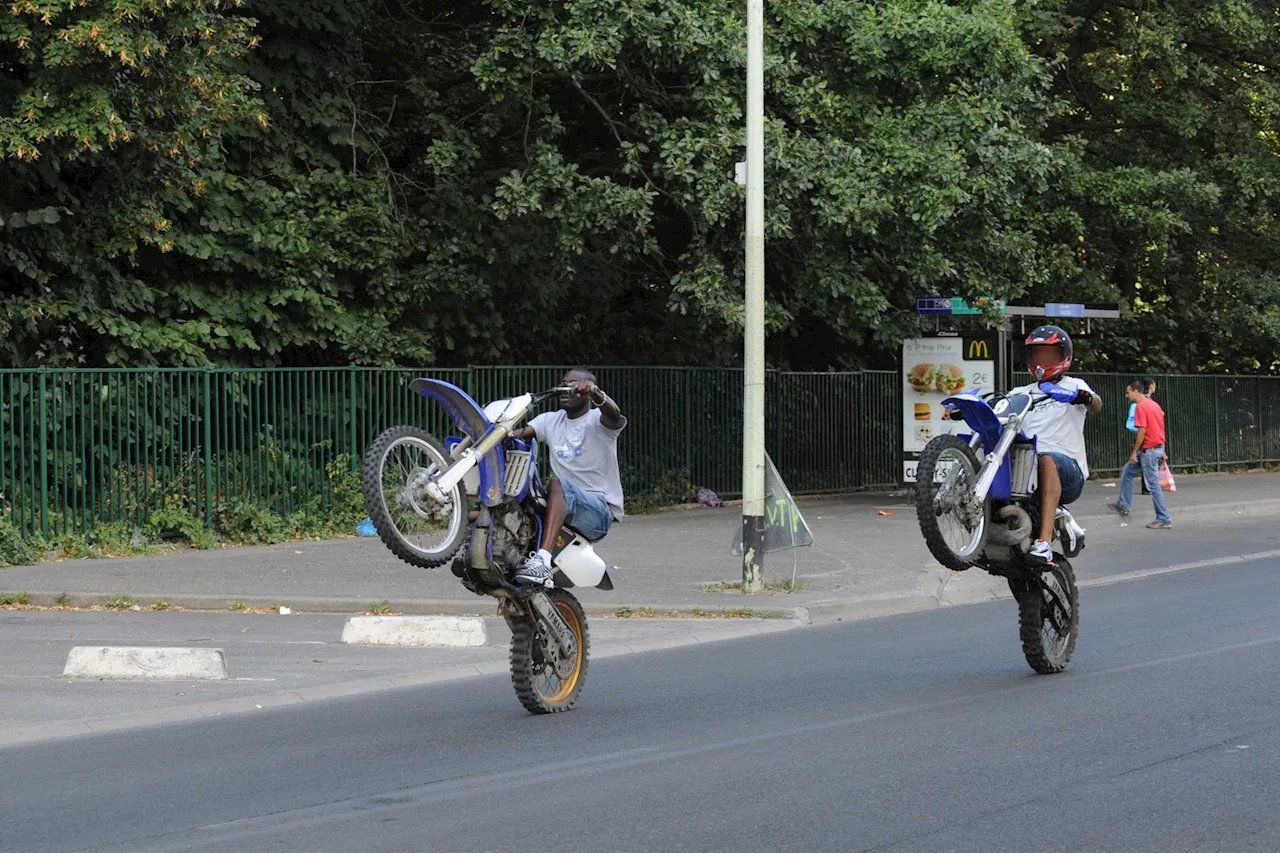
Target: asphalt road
(923,732)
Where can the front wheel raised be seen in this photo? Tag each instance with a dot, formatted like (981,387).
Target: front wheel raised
(1048,616)
(415,528)
(545,682)
(954,529)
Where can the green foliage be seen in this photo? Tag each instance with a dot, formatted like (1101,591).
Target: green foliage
(106,540)
(14,599)
(1168,118)
(183,524)
(302,182)
(241,521)
(16,549)
(668,488)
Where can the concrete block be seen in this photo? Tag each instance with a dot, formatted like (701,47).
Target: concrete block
(465,631)
(145,663)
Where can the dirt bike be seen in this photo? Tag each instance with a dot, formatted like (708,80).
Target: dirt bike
(977,504)
(481,490)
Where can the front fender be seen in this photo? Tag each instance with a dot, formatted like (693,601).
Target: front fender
(978,415)
(470,418)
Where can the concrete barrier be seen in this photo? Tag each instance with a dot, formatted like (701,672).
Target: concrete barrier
(145,663)
(415,631)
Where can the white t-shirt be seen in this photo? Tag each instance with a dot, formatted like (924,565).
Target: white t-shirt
(1058,427)
(585,452)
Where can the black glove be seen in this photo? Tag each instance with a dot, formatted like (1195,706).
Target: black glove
(1083,398)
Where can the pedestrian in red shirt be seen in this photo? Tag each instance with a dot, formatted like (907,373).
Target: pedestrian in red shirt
(1148,451)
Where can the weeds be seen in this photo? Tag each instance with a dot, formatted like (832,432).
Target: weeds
(14,599)
(16,549)
(787,585)
(380,608)
(119,602)
(639,613)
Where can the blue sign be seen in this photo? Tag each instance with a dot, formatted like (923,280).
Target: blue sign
(934,305)
(1063,309)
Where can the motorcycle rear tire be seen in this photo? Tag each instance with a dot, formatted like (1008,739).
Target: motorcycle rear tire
(1043,657)
(927,515)
(526,666)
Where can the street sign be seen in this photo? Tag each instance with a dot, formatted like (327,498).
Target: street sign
(953,305)
(1063,309)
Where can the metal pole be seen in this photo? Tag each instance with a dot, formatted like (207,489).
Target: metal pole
(753,375)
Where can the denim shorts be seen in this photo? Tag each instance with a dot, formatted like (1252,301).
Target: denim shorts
(1070,477)
(587,512)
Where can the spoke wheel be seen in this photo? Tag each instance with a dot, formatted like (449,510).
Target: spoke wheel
(953,528)
(414,527)
(545,683)
(1049,617)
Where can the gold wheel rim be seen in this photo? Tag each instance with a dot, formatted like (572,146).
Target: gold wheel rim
(568,684)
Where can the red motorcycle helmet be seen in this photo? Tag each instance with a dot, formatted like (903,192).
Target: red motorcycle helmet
(1049,353)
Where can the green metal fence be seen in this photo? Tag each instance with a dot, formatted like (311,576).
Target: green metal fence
(80,447)
(1213,422)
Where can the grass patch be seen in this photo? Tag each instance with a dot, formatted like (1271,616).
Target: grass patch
(635,613)
(380,608)
(741,613)
(239,606)
(14,599)
(161,604)
(787,585)
(119,602)
(63,600)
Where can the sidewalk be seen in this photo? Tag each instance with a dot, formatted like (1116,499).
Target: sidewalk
(676,563)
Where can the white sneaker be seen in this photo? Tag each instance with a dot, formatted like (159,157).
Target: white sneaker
(535,571)
(1041,554)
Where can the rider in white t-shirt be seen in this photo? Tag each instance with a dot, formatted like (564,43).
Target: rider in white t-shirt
(586,491)
(1058,427)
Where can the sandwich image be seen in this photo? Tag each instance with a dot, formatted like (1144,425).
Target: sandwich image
(924,434)
(949,378)
(922,412)
(921,378)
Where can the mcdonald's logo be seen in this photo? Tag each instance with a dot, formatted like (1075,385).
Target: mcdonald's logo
(978,349)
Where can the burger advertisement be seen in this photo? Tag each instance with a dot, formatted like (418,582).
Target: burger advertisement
(934,369)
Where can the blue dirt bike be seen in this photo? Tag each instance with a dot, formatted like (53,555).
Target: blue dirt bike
(977,504)
(481,490)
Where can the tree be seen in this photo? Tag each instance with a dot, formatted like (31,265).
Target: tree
(1170,197)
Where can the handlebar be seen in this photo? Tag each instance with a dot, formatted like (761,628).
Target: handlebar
(559,390)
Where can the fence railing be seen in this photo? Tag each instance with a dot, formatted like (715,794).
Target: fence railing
(82,447)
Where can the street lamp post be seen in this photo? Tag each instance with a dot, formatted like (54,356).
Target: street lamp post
(753,378)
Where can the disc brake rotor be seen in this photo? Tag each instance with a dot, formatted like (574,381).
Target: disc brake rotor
(413,497)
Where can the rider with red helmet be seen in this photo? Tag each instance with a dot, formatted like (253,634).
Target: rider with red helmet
(1058,427)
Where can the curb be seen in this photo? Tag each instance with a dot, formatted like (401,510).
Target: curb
(406,607)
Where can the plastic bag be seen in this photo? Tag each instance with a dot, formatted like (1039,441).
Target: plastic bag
(1129,425)
(1166,477)
(706,497)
